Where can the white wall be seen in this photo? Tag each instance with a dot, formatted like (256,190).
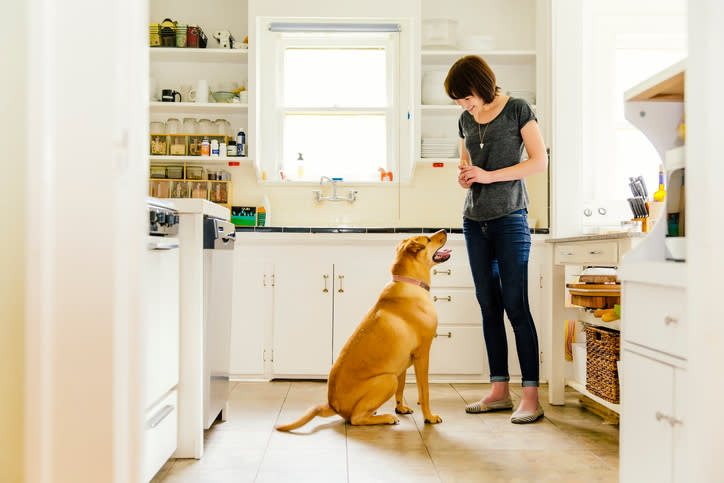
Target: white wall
(705,232)
(13,61)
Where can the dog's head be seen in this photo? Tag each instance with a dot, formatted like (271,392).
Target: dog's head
(423,250)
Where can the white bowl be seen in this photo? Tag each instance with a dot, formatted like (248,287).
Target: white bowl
(675,248)
(479,42)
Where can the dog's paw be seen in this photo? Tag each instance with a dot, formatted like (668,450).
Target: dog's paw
(401,409)
(394,420)
(433,419)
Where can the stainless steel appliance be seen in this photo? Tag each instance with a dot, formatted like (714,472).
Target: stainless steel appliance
(219,237)
(162,216)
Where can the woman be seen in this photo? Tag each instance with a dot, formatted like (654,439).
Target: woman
(494,128)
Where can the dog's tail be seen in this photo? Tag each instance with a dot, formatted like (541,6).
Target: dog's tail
(324,411)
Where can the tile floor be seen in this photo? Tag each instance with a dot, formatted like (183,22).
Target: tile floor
(568,444)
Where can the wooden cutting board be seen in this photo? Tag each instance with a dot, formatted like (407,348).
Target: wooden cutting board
(611,287)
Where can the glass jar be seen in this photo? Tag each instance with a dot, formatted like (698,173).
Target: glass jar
(190,125)
(173,126)
(205,127)
(157,127)
(222,127)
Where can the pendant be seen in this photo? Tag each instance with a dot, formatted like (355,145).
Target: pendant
(481,145)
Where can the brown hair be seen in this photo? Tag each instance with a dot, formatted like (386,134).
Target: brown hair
(471,75)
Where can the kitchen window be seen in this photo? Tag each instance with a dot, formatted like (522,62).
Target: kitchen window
(334,101)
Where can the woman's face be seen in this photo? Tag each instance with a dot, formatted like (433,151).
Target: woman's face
(471,103)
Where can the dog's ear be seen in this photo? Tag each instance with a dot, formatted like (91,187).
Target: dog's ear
(414,246)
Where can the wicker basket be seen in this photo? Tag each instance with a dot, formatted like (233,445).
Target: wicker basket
(603,349)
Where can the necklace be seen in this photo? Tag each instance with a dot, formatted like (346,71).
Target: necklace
(483,135)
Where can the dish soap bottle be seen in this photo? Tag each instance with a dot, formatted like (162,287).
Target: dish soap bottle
(660,193)
(300,167)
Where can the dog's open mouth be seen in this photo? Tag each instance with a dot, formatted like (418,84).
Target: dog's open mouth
(441,255)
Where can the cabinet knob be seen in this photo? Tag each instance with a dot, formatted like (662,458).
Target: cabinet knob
(435,298)
(443,272)
(668,320)
(325,276)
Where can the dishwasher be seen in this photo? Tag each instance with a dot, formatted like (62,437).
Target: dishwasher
(219,238)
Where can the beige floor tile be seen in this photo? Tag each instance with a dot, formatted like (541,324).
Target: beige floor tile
(568,444)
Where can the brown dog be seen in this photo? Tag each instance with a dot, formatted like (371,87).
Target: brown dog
(395,334)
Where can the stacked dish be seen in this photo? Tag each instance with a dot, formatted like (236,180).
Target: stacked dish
(443,148)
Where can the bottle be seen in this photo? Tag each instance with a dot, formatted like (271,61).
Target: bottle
(241,142)
(205,147)
(260,216)
(222,149)
(300,166)
(660,193)
(214,148)
(231,148)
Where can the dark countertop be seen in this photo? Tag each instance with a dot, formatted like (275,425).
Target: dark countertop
(313,229)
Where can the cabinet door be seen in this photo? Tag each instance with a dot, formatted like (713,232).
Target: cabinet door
(161,324)
(646,441)
(302,331)
(252,309)
(357,286)
(458,350)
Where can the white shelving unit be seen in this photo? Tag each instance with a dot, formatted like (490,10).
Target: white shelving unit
(208,108)
(655,331)
(199,160)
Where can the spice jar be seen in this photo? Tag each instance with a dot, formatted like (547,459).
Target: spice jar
(168,33)
(154,35)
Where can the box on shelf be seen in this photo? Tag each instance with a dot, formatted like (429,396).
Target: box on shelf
(159,144)
(193,142)
(579,362)
(195,172)
(199,189)
(175,172)
(603,351)
(158,172)
(179,189)
(243,215)
(160,189)
(177,145)
(218,191)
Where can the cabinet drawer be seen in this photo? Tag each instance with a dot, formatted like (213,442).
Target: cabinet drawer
(456,306)
(161,429)
(589,253)
(451,275)
(457,350)
(654,316)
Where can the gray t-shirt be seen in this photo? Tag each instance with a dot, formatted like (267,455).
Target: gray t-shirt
(502,147)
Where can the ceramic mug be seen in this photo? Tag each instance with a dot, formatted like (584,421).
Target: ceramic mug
(169,95)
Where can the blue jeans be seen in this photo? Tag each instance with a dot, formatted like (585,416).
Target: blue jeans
(498,252)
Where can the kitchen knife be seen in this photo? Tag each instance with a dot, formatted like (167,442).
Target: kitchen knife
(631,205)
(643,185)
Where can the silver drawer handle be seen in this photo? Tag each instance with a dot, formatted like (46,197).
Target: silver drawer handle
(668,320)
(668,418)
(435,298)
(448,335)
(595,252)
(441,272)
(160,416)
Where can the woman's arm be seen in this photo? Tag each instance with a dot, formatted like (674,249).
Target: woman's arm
(464,161)
(537,161)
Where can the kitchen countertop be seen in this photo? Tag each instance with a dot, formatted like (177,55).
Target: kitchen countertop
(599,236)
(359,230)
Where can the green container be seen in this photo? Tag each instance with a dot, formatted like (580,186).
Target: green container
(243,215)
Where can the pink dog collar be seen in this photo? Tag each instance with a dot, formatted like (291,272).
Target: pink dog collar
(400,278)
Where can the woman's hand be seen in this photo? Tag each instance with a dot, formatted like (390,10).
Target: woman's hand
(473,174)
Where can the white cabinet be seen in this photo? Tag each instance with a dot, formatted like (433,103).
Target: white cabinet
(652,435)
(654,330)
(299,298)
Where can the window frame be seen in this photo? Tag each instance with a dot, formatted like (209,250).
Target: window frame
(399,87)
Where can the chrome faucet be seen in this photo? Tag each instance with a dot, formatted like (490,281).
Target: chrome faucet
(351,195)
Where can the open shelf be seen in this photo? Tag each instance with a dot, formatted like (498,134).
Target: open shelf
(490,56)
(221,108)
(189,54)
(675,158)
(667,85)
(201,160)
(582,389)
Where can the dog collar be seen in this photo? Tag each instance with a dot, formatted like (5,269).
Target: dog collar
(400,278)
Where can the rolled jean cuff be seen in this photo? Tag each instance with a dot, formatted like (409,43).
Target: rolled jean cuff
(499,378)
(531,383)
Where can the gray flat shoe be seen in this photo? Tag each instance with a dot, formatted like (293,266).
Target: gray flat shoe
(480,407)
(524,417)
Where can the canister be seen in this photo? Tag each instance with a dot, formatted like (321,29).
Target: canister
(181,35)
(192,36)
(155,37)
